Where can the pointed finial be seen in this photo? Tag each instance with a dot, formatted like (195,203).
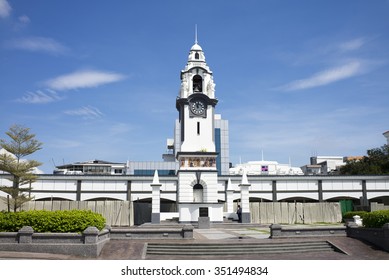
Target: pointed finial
(229,185)
(244,178)
(156,178)
(195,33)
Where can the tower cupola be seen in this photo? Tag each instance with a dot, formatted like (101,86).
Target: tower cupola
(196,54)
(196,76)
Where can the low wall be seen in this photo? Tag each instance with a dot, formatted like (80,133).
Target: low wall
(88,244)
(377,236)
(278,231)
(148,232)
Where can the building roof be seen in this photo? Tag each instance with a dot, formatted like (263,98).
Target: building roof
(196,47)
(90,162)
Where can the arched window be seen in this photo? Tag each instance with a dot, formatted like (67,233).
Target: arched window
(197,56)
(197,83)
(198,193)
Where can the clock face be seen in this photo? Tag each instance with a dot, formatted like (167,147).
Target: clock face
(197,107)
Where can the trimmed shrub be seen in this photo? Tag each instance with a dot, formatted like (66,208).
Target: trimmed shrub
(351,214)
(376,219)
(51,221)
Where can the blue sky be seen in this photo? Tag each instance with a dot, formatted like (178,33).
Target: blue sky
(99,79)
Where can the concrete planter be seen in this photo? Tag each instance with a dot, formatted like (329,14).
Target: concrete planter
(87,244)
(278,231)
(377,236)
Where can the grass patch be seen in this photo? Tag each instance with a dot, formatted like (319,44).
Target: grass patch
(265,231)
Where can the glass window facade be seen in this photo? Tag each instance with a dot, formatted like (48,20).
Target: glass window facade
(149,172)
(147,168)
(222,146)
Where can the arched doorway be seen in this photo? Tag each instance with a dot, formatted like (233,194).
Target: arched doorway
(198,193)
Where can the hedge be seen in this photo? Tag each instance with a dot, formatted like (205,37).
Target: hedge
(51,221)
(351,214)
(376,219)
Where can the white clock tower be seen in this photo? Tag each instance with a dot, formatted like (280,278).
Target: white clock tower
(197,174)
(196,104)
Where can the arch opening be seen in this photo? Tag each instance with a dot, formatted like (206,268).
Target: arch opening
(198,192)
(197,83)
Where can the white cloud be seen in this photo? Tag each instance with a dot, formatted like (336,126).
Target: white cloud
(86,112)
(22,22)
(326,77)
(352,45)
(5,9)
(83,79)
(40,97)
(24,19)
(37,44)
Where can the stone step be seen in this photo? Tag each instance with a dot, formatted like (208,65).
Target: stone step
(237,249)
(236,245)
(214,253)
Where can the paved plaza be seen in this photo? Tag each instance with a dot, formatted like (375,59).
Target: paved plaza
(135,249)
(225,233)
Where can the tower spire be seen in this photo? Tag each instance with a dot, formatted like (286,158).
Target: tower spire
(195,33)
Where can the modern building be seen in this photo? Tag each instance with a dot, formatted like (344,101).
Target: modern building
(312,169)
(265,168)
(324,165)
(93,167)
(386,134)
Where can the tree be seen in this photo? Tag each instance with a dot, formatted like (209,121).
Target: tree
(376,162)
(21,144)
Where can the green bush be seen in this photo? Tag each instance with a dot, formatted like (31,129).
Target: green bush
(376,219)
(351,214)
(51,221)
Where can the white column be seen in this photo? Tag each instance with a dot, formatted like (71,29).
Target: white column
(230,198)
(244,197)
(156,199)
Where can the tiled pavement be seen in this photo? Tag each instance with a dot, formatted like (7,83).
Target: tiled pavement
(225,233)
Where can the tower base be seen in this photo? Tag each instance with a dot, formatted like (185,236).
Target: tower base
(246,218)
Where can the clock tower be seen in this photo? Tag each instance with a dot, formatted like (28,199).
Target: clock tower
(196,154)
(196,104)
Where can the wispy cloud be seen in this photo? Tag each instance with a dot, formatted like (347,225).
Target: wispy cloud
(5,9)
(83,79)
(24,19)
(37,44)
(352,45)
(40,97)
(86,112)
(326,77)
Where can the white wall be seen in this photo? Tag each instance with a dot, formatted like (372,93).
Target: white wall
(189,212)
(194,142)
(261,187)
